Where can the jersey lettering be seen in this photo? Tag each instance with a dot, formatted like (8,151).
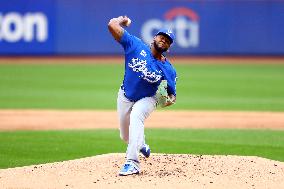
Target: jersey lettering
(139,65)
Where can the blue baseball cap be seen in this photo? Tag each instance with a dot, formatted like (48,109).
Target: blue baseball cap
(168,33)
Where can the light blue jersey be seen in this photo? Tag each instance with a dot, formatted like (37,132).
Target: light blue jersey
(143,73)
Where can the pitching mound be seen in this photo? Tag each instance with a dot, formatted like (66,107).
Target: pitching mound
(159,171)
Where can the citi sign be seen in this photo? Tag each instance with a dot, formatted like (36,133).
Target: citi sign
(28,27)
(183,21)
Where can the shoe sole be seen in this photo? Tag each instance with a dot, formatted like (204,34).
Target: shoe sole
(126,174)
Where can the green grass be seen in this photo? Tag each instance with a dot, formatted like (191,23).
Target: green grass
(231,87)
(90,86)
(59,86)
(35,147)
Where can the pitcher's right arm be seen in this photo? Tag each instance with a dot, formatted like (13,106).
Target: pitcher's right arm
(115,26)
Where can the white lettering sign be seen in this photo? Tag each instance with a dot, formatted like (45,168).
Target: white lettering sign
(31,26)
(186,31)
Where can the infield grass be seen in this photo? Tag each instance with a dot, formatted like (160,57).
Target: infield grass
(90,86)
(19,148)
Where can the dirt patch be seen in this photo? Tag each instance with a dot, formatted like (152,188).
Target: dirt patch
(54,119)
(159,171)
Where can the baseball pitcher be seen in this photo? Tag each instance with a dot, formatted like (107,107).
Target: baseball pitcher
(149,80)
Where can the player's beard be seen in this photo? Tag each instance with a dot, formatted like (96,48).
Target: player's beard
(159,49)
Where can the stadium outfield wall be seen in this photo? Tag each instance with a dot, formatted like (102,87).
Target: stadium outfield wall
(73,27)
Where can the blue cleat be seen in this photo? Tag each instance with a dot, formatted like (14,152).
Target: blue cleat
(145,150)
(129,168)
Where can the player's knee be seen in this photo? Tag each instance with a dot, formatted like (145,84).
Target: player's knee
(138,116)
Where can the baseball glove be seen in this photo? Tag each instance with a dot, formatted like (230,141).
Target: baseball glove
(162,94)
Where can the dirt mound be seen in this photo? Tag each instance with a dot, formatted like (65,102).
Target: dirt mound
(159,171)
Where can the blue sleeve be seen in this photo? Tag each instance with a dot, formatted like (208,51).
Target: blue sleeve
(172,83)
(128,42)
